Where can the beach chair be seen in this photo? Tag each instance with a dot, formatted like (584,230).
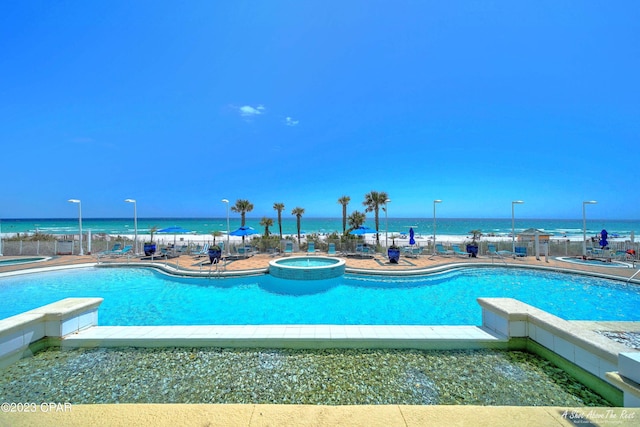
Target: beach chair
(367,252)
(311,248)
(440,250)
(288,248)
(521,251)
(459,252)
(332,249)
(202,252)
(116,247)
(492,252)
(122,252)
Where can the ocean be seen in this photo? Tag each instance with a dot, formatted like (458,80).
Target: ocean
(421,226)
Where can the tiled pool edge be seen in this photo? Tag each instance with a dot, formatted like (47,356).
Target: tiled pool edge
(506,322)
(52,321)
(587,350)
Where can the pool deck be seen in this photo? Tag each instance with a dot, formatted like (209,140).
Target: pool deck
(305,415)
(258,264)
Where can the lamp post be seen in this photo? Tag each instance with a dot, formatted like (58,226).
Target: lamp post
(79,221)
(434,224)
(584,225)
(386,223)
(513,226)
(228,229)
(135,223)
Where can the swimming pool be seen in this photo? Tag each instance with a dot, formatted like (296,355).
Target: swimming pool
(135,296)
(16,261)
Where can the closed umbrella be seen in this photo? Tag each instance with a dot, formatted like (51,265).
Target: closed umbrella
(603,239)
(412,241)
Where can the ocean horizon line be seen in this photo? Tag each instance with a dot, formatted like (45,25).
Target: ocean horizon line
(292,217)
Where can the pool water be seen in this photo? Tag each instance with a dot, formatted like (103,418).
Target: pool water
(307,262)
(15,261)
(134,296)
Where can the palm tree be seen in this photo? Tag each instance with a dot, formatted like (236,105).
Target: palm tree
(279,207)
(344,201)
(373,201)
(298,213)
(356,219)
(215,234)
(266,223)
(242,206)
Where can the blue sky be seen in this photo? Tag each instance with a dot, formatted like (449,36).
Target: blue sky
(181,104)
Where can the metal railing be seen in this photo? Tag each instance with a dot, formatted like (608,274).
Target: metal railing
(276,246)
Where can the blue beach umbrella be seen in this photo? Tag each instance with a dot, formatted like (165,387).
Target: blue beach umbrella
(362,230)
(412,241)
(174,230)
(243,231)
(603,238)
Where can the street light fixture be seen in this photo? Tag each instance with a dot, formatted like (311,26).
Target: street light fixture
(434,224)
(386,223)
(584,225)
(79,221)
(135,223)
(228,229)
(513,226)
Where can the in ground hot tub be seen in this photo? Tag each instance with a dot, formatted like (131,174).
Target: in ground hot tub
(307,268)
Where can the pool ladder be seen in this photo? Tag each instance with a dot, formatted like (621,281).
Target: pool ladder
(218,270)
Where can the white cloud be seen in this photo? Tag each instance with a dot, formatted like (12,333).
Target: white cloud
(290,122)
(249,111)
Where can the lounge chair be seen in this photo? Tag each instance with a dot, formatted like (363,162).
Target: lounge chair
(116,247)
(521,251)
(332,249)
(246,251)
(311,248)
(367,252)
(492,252)
(122,252)
(202,252)
(412,251)
(440,250)
(288,248)
(459,252)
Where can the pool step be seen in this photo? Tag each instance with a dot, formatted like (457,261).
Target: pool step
(289,336)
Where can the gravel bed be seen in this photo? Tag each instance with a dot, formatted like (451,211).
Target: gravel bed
(630,339)
(327,377)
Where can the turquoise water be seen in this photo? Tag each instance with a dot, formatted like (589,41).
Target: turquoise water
(146,297)
(308,262)
(422,226)
(20,261)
